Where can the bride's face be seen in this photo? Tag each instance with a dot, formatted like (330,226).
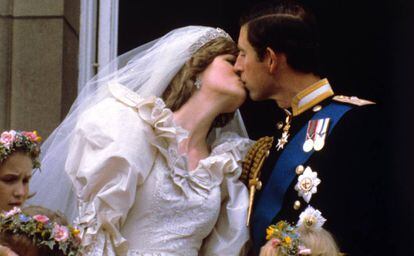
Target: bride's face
(221,78)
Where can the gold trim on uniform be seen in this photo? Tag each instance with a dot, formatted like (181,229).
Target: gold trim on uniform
(297,108)
(252,166)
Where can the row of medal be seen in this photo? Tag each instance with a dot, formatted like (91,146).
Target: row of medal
(316,134)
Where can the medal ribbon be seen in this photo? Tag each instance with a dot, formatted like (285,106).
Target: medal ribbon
(322,127)
(310,133)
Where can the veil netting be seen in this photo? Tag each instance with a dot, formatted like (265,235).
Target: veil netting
(147,70)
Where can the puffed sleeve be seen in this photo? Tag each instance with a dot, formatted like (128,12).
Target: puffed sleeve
(230,234)
(110,156)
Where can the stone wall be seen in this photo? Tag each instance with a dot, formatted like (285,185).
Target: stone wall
(38,62)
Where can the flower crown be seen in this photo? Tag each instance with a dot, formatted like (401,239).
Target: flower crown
(26,141)
(287,237)
(42,231)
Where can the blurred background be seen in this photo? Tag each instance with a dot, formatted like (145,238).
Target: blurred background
(49,48)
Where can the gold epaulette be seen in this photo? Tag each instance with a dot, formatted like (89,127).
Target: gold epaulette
(352,100)
(252,165)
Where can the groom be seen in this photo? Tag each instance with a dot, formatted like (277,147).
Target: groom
(324,153)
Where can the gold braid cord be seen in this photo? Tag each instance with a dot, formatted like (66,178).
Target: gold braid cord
(252,165)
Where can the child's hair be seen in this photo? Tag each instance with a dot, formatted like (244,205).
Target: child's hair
(28,242)
(319,241)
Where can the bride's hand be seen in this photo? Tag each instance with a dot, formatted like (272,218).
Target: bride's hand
(270,248)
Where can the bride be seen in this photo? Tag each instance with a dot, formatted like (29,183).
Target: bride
(151,153)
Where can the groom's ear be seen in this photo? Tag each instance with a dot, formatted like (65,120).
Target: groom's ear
(271,59)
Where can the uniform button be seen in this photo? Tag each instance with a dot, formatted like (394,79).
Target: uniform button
(279,125)
(299,170)
(296,205)
(317,108)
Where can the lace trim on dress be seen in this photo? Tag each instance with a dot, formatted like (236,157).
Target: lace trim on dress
(225,157)
(167,137)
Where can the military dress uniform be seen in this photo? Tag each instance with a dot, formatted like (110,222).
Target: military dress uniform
(334,138)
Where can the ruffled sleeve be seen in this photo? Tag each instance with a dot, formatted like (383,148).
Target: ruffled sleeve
(110,156)
(230,233)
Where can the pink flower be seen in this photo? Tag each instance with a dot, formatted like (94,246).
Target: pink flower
(60,233)
(7,138)
(41,218)
(275,242)
(32,136)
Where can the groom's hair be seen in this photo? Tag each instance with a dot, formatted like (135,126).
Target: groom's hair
(286,27)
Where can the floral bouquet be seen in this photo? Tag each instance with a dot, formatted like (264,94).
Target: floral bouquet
(285,237)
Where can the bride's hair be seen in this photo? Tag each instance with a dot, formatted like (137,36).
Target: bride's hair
(182,85)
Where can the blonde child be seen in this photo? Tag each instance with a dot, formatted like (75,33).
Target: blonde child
(306,238)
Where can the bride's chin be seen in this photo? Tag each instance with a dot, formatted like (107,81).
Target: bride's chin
(233,107)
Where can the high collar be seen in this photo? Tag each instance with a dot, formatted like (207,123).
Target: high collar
(311,96)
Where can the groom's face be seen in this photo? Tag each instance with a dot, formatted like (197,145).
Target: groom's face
(254,73)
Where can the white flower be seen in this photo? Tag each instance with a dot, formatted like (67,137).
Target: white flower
(311,218)
(12,212)
(307,184)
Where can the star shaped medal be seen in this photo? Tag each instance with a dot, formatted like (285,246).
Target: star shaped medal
(282,141)
(307,184)
(285,134)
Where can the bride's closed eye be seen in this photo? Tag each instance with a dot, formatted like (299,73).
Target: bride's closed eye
(231,59)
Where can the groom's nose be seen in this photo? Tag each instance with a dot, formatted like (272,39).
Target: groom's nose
(238,67)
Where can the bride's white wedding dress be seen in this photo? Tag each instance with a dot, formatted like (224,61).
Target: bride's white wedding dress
(137,196)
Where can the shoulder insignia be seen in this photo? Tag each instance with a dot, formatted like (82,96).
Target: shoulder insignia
(352,100)
(123,94)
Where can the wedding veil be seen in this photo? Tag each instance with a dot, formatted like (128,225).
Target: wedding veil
(147,70)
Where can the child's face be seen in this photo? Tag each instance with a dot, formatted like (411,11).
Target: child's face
(15,174)
(6,251)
